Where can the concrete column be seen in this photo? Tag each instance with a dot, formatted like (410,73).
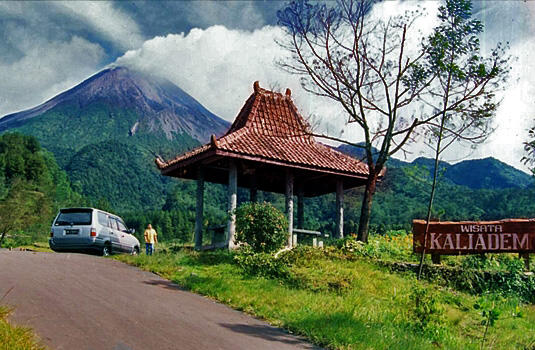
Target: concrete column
(290,204)
(300,208)
(232,202)
(199,212)
(339,233)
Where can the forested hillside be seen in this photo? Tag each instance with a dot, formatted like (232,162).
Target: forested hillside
(32,183)
(32,188)
(402,196)
(106,131)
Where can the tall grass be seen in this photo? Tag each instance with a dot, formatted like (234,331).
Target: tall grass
(14,337)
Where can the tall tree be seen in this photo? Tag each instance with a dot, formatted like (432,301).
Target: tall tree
(365,64)
(462,74)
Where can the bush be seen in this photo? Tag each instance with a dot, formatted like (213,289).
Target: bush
(262,226)
(261,264)
(427,312)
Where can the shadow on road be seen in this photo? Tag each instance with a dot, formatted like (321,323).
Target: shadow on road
(266,332)
(165,284)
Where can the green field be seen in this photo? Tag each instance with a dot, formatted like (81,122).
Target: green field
(345,297)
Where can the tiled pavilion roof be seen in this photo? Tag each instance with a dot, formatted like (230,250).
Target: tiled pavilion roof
(270,129)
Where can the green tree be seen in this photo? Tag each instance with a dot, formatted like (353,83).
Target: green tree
(22,207)
(463,78)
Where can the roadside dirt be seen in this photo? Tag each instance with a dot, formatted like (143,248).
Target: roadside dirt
(84,302)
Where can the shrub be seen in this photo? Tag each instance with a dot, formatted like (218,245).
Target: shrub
(427,312)
(261,264)
(262,226)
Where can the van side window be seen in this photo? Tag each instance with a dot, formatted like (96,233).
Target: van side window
(122,227)
(111,223)
(102,219)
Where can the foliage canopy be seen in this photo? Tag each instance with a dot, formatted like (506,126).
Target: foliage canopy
(262,226)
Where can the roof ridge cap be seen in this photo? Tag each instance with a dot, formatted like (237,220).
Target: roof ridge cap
(262,91)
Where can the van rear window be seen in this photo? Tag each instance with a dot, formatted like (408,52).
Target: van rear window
(78,217)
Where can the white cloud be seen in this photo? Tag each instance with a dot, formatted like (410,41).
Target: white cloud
(217,66)
(509,21)
(114,24)
(45,70)
(233,14)
(516,113)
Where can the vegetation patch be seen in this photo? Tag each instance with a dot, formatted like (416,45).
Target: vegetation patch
(342,300)
(14,337)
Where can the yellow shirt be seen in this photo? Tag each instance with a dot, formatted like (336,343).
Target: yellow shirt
(150,235)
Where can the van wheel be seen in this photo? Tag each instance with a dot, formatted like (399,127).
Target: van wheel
(135,251)
(106,250)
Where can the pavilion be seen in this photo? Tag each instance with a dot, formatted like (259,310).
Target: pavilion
(269,147)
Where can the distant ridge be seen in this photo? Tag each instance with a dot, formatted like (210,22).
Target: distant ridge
(487,173)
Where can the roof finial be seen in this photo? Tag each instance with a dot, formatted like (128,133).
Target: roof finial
(256,86)
(288,92)
(160,163)
(213,140)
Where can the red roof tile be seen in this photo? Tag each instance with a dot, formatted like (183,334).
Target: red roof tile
(269,127)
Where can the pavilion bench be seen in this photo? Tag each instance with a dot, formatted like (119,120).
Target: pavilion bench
(316,236)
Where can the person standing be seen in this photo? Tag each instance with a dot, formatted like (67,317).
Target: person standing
(151,238)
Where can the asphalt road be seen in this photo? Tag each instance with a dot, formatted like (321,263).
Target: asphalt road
(83,302)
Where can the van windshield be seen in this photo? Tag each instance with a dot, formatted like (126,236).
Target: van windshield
(74,217)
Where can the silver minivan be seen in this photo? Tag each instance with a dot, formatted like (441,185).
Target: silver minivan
(90,229)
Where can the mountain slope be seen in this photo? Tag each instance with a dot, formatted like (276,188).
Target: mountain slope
(118,173)
(153,105)
(111,126)
(487,173)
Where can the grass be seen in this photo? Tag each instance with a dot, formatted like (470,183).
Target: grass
(14,337)
(343,303)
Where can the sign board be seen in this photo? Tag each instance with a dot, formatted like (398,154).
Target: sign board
(473,237)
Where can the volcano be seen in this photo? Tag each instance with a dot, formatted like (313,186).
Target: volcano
(105,132)
(150,105)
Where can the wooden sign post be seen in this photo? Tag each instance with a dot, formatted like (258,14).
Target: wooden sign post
(476,237)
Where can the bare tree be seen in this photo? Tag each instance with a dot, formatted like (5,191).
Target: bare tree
(368,67)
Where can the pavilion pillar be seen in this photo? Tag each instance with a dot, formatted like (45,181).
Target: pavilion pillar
(300,208)
(232,202)
(290,204)
(339,230)
(199,209)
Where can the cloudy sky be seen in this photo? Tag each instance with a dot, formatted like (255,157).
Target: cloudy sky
(215,50)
